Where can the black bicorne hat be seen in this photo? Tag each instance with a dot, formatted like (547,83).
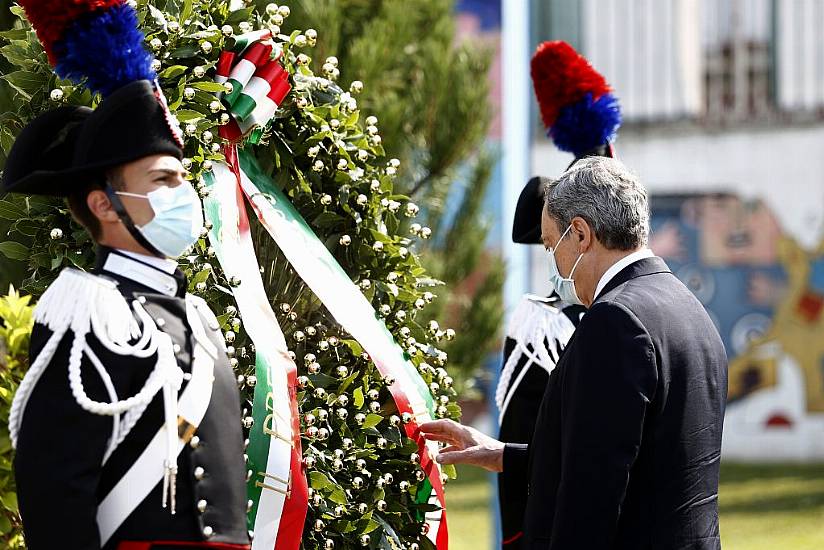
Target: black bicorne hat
(62,150)
(526,227)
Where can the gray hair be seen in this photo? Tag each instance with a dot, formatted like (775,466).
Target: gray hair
(608,196)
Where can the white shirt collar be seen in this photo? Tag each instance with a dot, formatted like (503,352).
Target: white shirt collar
(164,264)
(155,273)
(618,266)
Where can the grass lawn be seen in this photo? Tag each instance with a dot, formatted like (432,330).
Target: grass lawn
(763,507)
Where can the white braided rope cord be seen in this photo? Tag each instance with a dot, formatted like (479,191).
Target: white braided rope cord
(531,324)
(86,303)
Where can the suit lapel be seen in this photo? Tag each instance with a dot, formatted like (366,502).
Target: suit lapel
(647,266)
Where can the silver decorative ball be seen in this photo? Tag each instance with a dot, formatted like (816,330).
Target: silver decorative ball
(329,544)
(347,443)
(323,433)
(375,407)
(320,393)
(319,525)
(356,87)
(345,240)
(56,95)
(309,461)
(299,336)
(357,482)
(420,303)
(312,432)
(378,246)
(227,30)
(189,93)
(342,371)
(384,310)
(360,418)
(156,65)
(303,381)
(309,419)
(300,41)
(206,46)
(318,166)
(365,539)
(365,284)
(362,508)
(155,44)
(343,400)
(199,71)
(343,413)
(215,106)
(56,234)
(311,36)
(313,368)
(382,443)
(381,505)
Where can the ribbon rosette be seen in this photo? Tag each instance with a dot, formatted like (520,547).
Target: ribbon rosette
(258,81)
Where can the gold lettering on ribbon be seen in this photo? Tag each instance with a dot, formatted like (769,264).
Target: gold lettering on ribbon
(271,424)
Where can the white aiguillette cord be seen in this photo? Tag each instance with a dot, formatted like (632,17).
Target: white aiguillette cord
(173,381)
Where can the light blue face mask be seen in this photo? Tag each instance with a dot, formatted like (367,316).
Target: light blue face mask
(565,287)
(178,219)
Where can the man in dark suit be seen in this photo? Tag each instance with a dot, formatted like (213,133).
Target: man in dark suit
(627,444)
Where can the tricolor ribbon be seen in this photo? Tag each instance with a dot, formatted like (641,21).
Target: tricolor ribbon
(347,304)
(259,85)
(277,487)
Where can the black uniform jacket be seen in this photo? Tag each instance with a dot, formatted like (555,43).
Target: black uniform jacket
(58,465)
(627,445)
(518,424)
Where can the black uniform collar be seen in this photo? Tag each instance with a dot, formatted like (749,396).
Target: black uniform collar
(114,262)
(647,266)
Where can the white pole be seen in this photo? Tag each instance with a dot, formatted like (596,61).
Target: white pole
(516,97)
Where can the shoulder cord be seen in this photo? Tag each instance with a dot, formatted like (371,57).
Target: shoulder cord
(535,326)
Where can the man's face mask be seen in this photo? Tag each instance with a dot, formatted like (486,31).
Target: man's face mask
(178,219)
(565,287)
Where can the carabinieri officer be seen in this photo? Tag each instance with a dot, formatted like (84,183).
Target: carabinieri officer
(127,425)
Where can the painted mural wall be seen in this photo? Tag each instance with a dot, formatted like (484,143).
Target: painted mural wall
(765,294)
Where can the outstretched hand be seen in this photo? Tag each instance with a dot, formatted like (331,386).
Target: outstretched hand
(465,445)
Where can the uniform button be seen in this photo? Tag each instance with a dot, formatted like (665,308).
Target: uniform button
(201,505)
(187,376)
(248,475)
(141,299)
(249,504)
(199,473)
(160,321)
(194,443)
(208,532)
(251,535)
(176,348)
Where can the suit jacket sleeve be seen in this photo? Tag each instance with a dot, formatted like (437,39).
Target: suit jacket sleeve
(59,455)
(606,392)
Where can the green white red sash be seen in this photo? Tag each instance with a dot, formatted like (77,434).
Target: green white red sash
(347,304)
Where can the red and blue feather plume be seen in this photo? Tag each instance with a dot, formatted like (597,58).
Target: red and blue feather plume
(577,105)
(94,42)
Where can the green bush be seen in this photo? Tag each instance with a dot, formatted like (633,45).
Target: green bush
(15,327)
